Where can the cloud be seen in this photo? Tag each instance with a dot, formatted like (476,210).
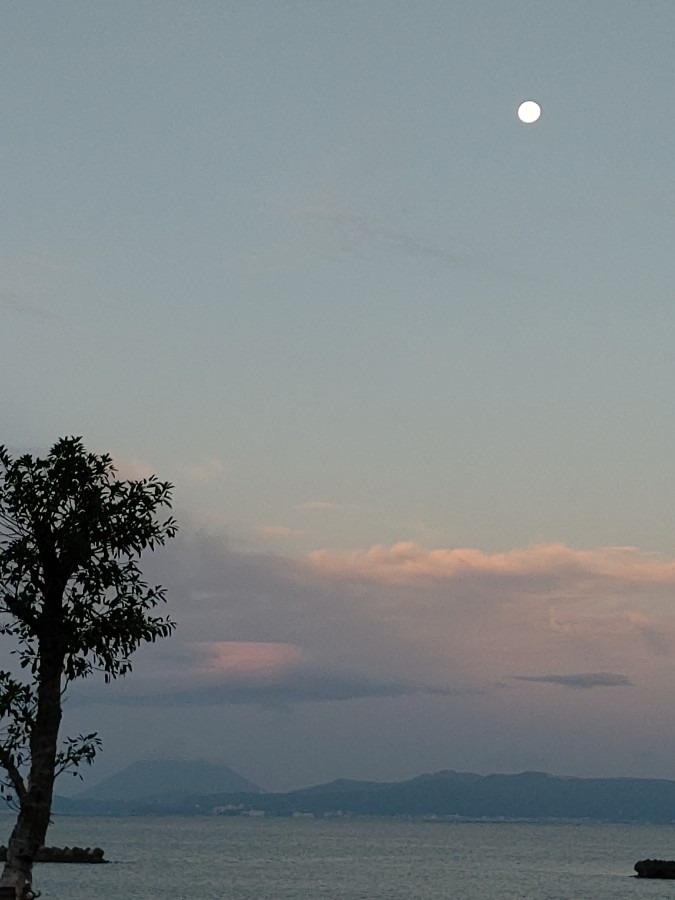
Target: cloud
(583,680)
(623,623)
(316,505)
(133,469)
(580,608)
(313,224)
(15,302)
(255,673)
(409,563)
(426,657)
(244,657)
(258,628)
(300,685)
(203,472)
(364,234)
(279,531)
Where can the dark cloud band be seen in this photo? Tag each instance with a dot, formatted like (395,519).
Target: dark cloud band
(581,680)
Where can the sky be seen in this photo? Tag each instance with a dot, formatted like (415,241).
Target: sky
(407,361)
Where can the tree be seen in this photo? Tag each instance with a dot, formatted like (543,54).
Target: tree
(73,599)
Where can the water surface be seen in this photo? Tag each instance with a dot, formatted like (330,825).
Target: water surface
(361,859)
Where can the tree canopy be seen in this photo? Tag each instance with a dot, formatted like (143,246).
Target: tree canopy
(74,602)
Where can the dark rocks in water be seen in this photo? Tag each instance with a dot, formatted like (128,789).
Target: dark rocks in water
(655,868)
(64,855)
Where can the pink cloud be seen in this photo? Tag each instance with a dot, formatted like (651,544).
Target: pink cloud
(453,617)
(246,657)
(408,563)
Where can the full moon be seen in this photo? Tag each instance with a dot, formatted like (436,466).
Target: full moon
(529,112)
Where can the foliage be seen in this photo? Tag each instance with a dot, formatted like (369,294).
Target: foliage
(72,595)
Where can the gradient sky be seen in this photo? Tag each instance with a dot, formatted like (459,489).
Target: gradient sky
(408,362)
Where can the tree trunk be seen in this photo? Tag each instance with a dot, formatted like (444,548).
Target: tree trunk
(35,809)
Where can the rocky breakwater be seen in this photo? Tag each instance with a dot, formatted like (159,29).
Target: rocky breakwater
(64,855)
(655,868)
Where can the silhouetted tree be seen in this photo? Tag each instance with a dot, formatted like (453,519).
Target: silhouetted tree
(74,601)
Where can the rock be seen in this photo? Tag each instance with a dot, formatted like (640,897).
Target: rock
(655,868)
(64,855)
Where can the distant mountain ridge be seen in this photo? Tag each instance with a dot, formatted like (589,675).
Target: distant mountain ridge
(168,780)
(444,795)
(449,794)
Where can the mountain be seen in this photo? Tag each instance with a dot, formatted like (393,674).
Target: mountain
(465,795)
(167,780)
(161,787)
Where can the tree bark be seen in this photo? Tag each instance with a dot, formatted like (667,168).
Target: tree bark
(32,822)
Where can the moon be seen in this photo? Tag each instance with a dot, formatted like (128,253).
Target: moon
(529,111)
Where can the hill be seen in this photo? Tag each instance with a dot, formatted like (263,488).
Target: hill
(465,795)
(167,780)
(444,795)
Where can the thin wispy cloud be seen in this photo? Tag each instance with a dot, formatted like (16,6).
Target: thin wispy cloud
(581,681)
(312,505)
(13,302)
(279,531)
(202,472)
(366,235)
(318,224)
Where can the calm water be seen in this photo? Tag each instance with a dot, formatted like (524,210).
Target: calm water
(253,859)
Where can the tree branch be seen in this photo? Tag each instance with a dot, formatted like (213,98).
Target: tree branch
(8,764)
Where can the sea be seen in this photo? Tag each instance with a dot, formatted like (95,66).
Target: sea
(209,858)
